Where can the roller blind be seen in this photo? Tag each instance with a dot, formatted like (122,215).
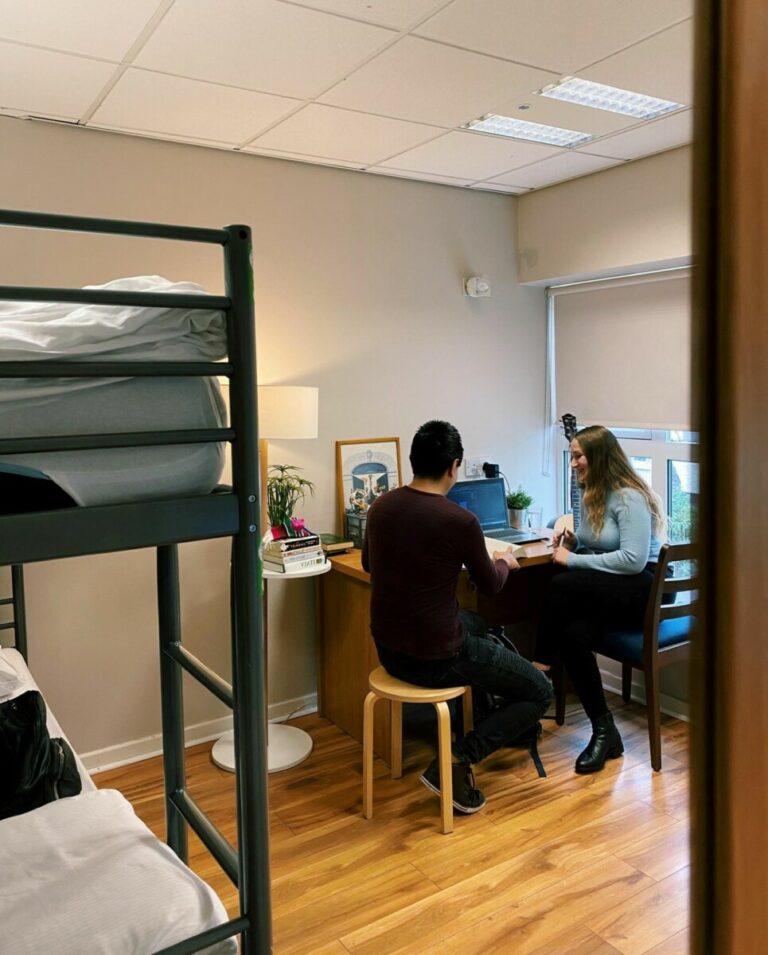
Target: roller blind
(623,351)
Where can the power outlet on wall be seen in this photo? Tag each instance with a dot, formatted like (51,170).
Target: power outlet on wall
(473,467)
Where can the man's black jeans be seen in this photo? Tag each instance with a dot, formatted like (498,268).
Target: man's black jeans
(482,662)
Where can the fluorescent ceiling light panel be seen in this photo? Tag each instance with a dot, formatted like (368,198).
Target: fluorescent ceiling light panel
(599,96)
(531,132)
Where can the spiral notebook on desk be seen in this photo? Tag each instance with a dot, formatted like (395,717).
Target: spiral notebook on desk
(487,500)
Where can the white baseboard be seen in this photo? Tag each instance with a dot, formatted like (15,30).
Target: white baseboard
(133,751)
(669,704)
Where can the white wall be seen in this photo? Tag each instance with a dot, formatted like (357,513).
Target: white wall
(630,218)
(358,291)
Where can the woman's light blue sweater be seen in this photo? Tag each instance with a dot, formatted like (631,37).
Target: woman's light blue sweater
(626,542)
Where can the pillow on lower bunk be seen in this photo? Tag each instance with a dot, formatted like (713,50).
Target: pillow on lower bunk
(86,875)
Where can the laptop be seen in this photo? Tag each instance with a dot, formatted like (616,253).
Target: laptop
(487,500)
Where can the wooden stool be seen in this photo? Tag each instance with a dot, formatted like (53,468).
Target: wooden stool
(386,687)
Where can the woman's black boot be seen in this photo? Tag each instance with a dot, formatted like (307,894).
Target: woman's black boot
(605,743)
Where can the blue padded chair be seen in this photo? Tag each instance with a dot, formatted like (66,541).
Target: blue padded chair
(663,640)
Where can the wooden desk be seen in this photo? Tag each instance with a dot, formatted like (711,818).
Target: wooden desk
(347,653)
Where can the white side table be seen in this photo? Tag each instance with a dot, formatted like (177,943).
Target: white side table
(287,746)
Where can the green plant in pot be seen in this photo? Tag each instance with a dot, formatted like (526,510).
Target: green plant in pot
(285,489)
(518,502)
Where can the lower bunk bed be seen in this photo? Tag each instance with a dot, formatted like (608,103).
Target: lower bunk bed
(100,880)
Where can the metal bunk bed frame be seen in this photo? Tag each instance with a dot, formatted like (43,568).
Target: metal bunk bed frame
(164,524)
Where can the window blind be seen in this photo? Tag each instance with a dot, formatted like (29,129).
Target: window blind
(623,351)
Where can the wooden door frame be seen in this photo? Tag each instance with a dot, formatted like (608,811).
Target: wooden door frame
(730,664)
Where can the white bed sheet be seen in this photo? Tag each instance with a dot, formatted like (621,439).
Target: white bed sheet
(32,407)
(84,876)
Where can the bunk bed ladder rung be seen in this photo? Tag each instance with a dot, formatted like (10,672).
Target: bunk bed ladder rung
(18,623)
(213,840)
(205,939)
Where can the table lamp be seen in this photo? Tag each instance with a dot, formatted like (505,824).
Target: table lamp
(285,411)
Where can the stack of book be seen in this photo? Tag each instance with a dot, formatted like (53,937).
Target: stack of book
(333,544)
(293,555)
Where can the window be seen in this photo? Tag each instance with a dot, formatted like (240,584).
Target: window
(682,496)
(666,461)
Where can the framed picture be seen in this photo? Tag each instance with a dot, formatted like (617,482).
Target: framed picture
(365,469)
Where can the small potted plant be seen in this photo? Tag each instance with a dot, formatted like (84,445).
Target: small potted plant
(518,502)
(285,488)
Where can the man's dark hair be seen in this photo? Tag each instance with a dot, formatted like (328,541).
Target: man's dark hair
(435,446)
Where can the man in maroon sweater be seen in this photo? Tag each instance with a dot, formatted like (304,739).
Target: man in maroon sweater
(415,546)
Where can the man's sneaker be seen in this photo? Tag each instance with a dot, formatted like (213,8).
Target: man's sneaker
(466,798)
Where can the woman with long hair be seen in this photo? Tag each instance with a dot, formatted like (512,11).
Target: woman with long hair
(609,565)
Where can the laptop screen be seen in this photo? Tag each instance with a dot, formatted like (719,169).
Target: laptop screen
(486,499)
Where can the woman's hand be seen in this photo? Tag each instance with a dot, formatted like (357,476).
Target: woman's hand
(562,545)
(506,556)
(561,554)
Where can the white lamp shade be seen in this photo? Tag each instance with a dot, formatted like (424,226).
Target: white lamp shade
(287,411)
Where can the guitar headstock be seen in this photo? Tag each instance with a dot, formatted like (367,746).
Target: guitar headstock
(569,426)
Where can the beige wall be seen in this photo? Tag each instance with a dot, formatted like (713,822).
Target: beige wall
(358,291)
(631,218)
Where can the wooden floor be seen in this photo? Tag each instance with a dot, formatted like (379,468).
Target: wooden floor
(579,865)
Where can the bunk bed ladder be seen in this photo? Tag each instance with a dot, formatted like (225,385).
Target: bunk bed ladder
(18,621)
(248,868)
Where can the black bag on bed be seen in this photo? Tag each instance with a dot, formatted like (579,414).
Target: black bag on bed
(34,769)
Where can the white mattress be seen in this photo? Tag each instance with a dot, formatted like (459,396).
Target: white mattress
(58,406)
(84,876)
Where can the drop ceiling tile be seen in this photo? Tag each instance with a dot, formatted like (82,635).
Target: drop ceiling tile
(649,138)
(45,83)
(103,28)
(430,83)
(661,66)
(339,133)
(397,14)
(566,166)
(419,176)
(558,35)
(470,155)
(149,101)
(260,45)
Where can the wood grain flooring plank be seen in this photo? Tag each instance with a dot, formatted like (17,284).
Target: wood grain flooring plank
(472,899)
(332,948)
(532,925)
(576,940)
(676,945)
(302,929)
(576,825)
(524,876)
(636,925)
(660,853)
